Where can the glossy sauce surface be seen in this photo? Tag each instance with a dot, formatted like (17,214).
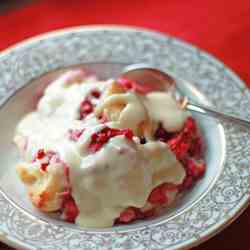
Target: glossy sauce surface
(123,172)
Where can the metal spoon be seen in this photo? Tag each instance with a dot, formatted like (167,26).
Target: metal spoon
(162,81)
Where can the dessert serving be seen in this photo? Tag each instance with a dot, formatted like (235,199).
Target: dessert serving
(107,152)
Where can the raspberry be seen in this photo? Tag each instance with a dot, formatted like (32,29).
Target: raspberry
(70,209)
(195,169)
(169,187)
(86,108)
(196,149)
(184,143)
(66,173)
(44,166)
(190,126)
(75,134)
(128,215)
(187,183)
(162,135)
(65,194)
(95,93)
(128,133)
(94,137)
(149,213)
(158,195)
(40,154)
(132,213)
(200,170)
(113,132)
(179,146)
(95,147)
(100,138)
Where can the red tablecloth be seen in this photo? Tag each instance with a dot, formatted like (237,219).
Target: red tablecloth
(222,27)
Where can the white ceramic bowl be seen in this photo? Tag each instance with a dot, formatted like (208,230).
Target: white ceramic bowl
(213,203)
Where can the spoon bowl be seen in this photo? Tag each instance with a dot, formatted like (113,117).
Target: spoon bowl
(162,81)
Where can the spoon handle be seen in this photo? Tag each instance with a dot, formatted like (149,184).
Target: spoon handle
(216,114)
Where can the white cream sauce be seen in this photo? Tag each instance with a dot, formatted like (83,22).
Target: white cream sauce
(164,109)
(123,172)
(133,114)
(63,100)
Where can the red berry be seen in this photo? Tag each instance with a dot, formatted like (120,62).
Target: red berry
(100,138)
(95,147)
(187,183)
(113,132)
(74,135)
(40,154)
(66,171)
(169,187)
(94,137)
(66,194)
(128,133)
(196,149)
(95,93)
(190,126)
(162,135)
(128,215)
(185,143)
(158,195)
(70,209)
(200,170)
(179,146)
(86,108)
(195,169)
(44,166)
(149,213)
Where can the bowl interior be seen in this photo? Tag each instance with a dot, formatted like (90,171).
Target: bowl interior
(25,99)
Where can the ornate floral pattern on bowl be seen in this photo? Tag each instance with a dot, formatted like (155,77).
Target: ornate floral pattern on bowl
(225,199)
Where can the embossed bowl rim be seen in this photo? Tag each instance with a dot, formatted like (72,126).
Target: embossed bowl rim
(220,225)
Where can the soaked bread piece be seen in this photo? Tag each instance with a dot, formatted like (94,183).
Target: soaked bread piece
(112,112)
(45,188)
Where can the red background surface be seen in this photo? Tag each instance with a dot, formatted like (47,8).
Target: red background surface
(221,27)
